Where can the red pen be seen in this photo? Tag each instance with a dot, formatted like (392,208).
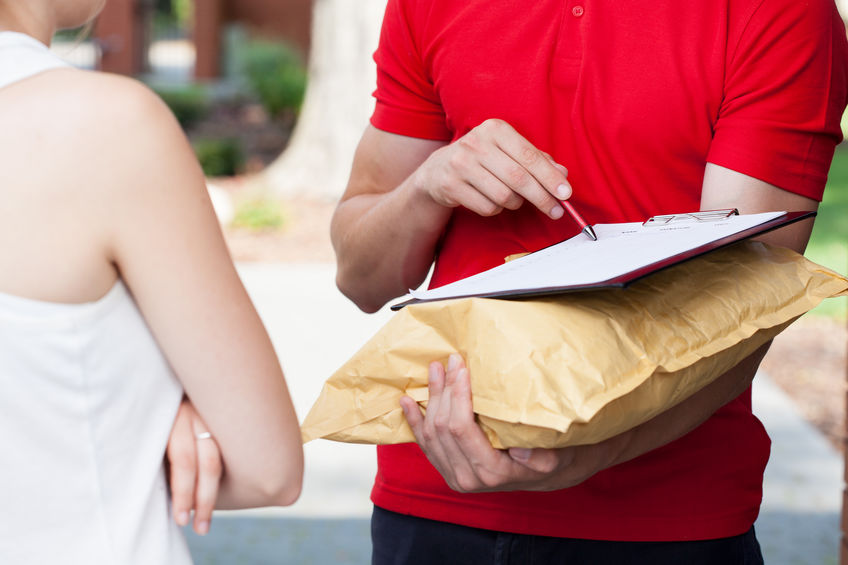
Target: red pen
(587,229)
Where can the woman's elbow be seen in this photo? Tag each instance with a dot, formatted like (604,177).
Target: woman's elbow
(288,493)
(282,488)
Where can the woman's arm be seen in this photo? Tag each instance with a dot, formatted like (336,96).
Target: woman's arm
(161,233)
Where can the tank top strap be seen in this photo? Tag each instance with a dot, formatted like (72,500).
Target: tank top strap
(22,56)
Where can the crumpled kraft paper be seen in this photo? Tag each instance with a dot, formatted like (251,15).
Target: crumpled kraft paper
(580,367)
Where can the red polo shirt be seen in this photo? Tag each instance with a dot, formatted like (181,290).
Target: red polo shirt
(635,99)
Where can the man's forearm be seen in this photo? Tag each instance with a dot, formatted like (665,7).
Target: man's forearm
(687,415)
(385,244)
(570,466)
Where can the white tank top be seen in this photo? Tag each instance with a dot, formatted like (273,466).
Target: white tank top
(87,401)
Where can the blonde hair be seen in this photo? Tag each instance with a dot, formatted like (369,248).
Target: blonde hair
(84,31)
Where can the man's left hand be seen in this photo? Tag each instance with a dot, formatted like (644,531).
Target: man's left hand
(456,446)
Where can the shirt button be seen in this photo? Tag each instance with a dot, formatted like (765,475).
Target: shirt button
(577,11)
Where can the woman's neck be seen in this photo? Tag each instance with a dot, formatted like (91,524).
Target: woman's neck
(33,18)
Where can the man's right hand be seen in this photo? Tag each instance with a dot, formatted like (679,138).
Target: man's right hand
(492,168)
(401,193)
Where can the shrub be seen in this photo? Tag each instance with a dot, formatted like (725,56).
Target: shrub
(276,74)
(219,157)
(188,103)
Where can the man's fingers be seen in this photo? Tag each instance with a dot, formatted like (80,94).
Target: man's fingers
(455,364)
(542,460)
(460,393)
(453,441)
(531,173)
(457,429)
(554,163)
(477,466)
(474,198)
(505,169)
(496,194)
(435,381)
(413,415)
(424,426)
(470,185)
(535,162)
(518,179)
(464,430)
(437,417)
(425,439)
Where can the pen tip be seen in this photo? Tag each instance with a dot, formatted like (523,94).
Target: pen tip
(590,232)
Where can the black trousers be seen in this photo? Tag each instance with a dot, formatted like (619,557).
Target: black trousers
(399,539)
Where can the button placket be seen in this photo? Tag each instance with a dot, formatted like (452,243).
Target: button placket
(569,53)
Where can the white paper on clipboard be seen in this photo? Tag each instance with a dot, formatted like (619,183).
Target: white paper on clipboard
(579,261)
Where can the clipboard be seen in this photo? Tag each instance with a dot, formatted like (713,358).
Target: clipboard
(623,254)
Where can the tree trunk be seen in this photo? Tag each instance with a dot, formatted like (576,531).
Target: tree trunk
(337,104)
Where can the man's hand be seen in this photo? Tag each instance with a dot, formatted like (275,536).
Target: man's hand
(490,168)
(195,469)
(402,192)
(460,451)
(457,447)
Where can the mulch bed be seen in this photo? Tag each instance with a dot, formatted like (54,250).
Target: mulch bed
(260,137)
(808,361)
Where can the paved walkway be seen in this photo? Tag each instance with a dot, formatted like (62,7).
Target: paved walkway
(315,330)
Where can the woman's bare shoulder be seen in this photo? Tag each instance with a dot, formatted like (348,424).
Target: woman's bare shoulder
(90,123)
(89,104)
(80,151)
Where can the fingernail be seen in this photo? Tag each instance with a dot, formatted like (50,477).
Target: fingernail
(182,518)
(557,212)
(563,191)
(203,528)
(520,453)
(453,361)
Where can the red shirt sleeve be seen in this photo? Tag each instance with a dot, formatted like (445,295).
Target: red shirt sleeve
(785,91)
(407,103)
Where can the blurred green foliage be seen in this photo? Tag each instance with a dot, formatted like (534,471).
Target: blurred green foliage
(829,243)
(172,18)
(189,103)
(276,74)
(259,214)
(219,157)
(183,11)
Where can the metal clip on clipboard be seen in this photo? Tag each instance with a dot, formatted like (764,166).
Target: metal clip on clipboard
(704,216)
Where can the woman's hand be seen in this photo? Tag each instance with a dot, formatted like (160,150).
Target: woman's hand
(457,447)
(195,468)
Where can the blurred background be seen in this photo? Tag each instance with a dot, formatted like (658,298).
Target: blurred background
(273,95)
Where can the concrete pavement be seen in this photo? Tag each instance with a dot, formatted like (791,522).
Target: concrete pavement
(315,330)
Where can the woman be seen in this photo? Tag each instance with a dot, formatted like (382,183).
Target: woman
(117,297)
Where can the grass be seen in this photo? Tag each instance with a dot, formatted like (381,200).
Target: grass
(829,243)
(259,214)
